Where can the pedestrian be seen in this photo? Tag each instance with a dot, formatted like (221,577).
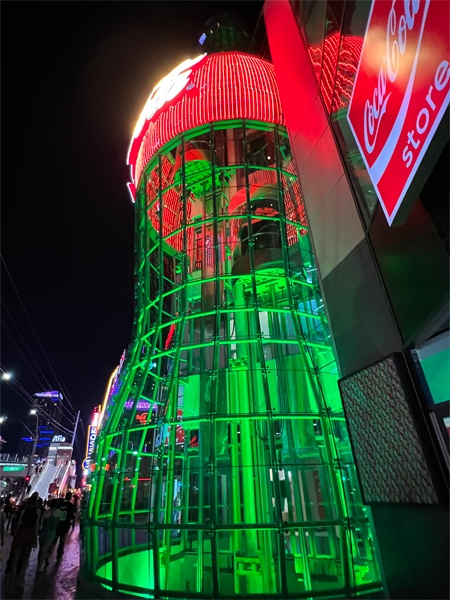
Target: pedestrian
(67,508)
(2,531)
(49,524)
(8,510)
(15,515)
(25,536)
(17,511)
(76,499)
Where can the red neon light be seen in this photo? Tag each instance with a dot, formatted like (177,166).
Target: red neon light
(170,335)
(172,201)
(224,86)
(325,64)
(142,418)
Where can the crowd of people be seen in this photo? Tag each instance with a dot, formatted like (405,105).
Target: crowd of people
(36,523)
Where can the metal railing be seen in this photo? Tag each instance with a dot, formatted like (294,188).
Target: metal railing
(13,458)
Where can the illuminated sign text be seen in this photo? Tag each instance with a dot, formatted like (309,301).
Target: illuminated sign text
(401,92)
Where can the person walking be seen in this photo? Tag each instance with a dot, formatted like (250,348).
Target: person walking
(68,514)
(16,510)
(76,499)
(2,531)
(25,535)
(49,524)
(8,511)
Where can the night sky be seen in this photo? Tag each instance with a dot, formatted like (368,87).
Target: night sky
(75,77)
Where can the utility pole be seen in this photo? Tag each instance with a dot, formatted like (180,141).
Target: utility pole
(33,452)
(75,430)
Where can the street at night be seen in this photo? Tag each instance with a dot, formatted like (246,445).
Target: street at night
(57,582)
(225,296)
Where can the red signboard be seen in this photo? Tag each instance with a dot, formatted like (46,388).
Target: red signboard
(401,91)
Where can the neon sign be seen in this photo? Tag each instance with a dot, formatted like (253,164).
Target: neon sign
(142,418)
(92,434)
(401,92)
(53,395)
(142,404)
(167,89)
(219,87)
(57,438)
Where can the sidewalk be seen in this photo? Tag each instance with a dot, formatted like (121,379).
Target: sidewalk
(58,582)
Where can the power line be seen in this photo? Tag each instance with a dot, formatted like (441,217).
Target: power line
(33,401)
(22,393)
(27,347)
(32,355)
(82,427)
(35,332)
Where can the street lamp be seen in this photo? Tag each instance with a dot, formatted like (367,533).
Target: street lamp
(6,376)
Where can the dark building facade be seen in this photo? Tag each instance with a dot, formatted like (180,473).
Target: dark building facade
(381,244)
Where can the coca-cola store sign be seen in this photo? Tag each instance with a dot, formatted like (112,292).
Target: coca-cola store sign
(401,91)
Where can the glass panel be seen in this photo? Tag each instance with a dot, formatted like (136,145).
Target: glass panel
(248,562)
(366,570)
(134,567)
(354,26)
(335,9)
(313,17)
(100,551)
(187,567)
(236,444)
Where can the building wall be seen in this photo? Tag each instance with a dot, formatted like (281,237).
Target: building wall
(385,289)
(362,322)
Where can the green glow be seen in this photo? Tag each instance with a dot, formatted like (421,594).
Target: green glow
(240,482)
(437,373)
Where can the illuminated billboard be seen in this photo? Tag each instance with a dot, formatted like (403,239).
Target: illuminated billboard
(91,435)
(51,395)
(401,92)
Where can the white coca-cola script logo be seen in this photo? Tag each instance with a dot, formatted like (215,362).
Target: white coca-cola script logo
(396,42)
(166,90)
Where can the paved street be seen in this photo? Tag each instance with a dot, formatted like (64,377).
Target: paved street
(58,582)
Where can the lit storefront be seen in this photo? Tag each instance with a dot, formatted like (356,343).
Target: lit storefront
(365,92)
(223,466)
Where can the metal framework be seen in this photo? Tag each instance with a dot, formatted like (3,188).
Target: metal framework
(223,466)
